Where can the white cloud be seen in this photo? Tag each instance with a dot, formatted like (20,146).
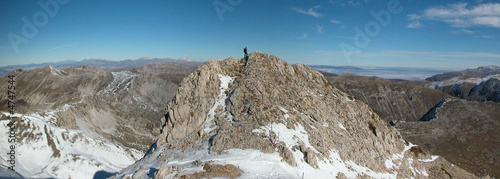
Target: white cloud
(335,21)
(304,36)
(343,3)
(341,26)
(311,11)
(319,28)
(463,15)
(487,21)
(414,25)
(467,31)
(483,37)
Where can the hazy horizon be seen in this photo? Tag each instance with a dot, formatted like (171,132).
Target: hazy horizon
(363,67)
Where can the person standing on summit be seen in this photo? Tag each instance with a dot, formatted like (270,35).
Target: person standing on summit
(246,53)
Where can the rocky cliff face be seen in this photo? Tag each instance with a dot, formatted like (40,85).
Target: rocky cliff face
(265,118)
(75,121)
(466,133)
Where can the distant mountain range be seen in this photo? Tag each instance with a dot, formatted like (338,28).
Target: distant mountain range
(100,63)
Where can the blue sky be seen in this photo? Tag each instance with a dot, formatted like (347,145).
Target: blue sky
(420,33)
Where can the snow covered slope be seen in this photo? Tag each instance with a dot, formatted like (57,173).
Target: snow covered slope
(48,151)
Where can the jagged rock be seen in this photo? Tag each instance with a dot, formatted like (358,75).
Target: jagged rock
(286,154)
(163,171)
(212,171)
(266,116)
(139,174)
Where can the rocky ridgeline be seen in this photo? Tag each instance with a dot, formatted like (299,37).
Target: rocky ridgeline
(265,118)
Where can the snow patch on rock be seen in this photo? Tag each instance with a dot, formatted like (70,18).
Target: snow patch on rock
(121,82)
(221,100)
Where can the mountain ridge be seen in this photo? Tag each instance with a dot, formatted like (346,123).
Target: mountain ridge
(100,63)
(476,72)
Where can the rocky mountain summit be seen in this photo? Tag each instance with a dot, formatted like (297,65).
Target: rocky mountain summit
(264,118)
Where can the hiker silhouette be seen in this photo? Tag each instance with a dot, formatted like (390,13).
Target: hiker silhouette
(246,53)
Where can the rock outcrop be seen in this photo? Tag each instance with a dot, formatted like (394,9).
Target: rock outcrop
(270,119)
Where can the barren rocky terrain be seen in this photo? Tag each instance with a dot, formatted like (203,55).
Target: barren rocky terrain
(392,101)
(466,133)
